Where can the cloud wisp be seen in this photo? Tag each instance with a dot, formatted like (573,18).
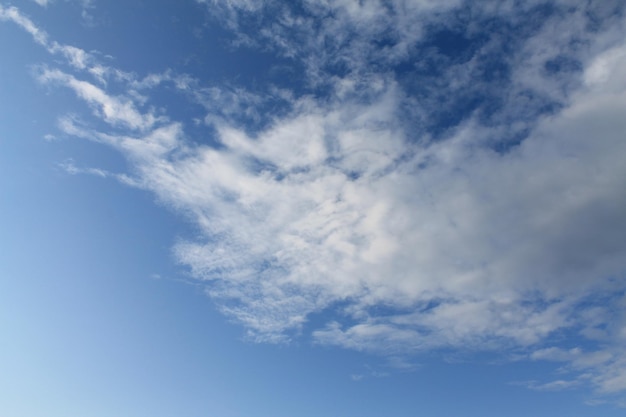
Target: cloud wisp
(42,3)
(401,227)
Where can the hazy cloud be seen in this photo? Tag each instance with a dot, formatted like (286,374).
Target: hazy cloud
(42,3)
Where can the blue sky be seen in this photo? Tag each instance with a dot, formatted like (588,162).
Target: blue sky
(312,208)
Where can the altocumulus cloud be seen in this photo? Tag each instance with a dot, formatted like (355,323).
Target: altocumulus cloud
(445,175)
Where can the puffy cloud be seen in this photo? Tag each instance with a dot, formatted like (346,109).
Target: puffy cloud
(464,245)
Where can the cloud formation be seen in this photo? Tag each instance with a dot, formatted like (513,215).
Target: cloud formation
(448,189)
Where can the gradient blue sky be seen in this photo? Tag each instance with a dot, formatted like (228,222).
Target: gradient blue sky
(312,208)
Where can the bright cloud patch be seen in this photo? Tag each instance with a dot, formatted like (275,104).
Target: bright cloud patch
(433,188)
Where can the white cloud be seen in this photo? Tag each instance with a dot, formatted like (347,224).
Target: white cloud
(70,167)
(117,111)
(556,385)
(13,14)
(331,208)
(505,246)
(77,58)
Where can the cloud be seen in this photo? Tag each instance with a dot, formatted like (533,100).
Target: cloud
(77,58)
(478,248)
(117,111)
(69,166)
(557,385)
(412,196)
(13,14)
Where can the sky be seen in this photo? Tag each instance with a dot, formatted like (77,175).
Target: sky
(312,208)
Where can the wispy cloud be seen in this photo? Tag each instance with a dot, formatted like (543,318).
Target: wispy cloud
(42,3)
(411,221)
(13,14)
(70,167)
(77,58)
(117,111)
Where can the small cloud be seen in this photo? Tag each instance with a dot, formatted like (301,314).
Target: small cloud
(13,14)
(557,385)
(115,110)
(69,167)
(402,364)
